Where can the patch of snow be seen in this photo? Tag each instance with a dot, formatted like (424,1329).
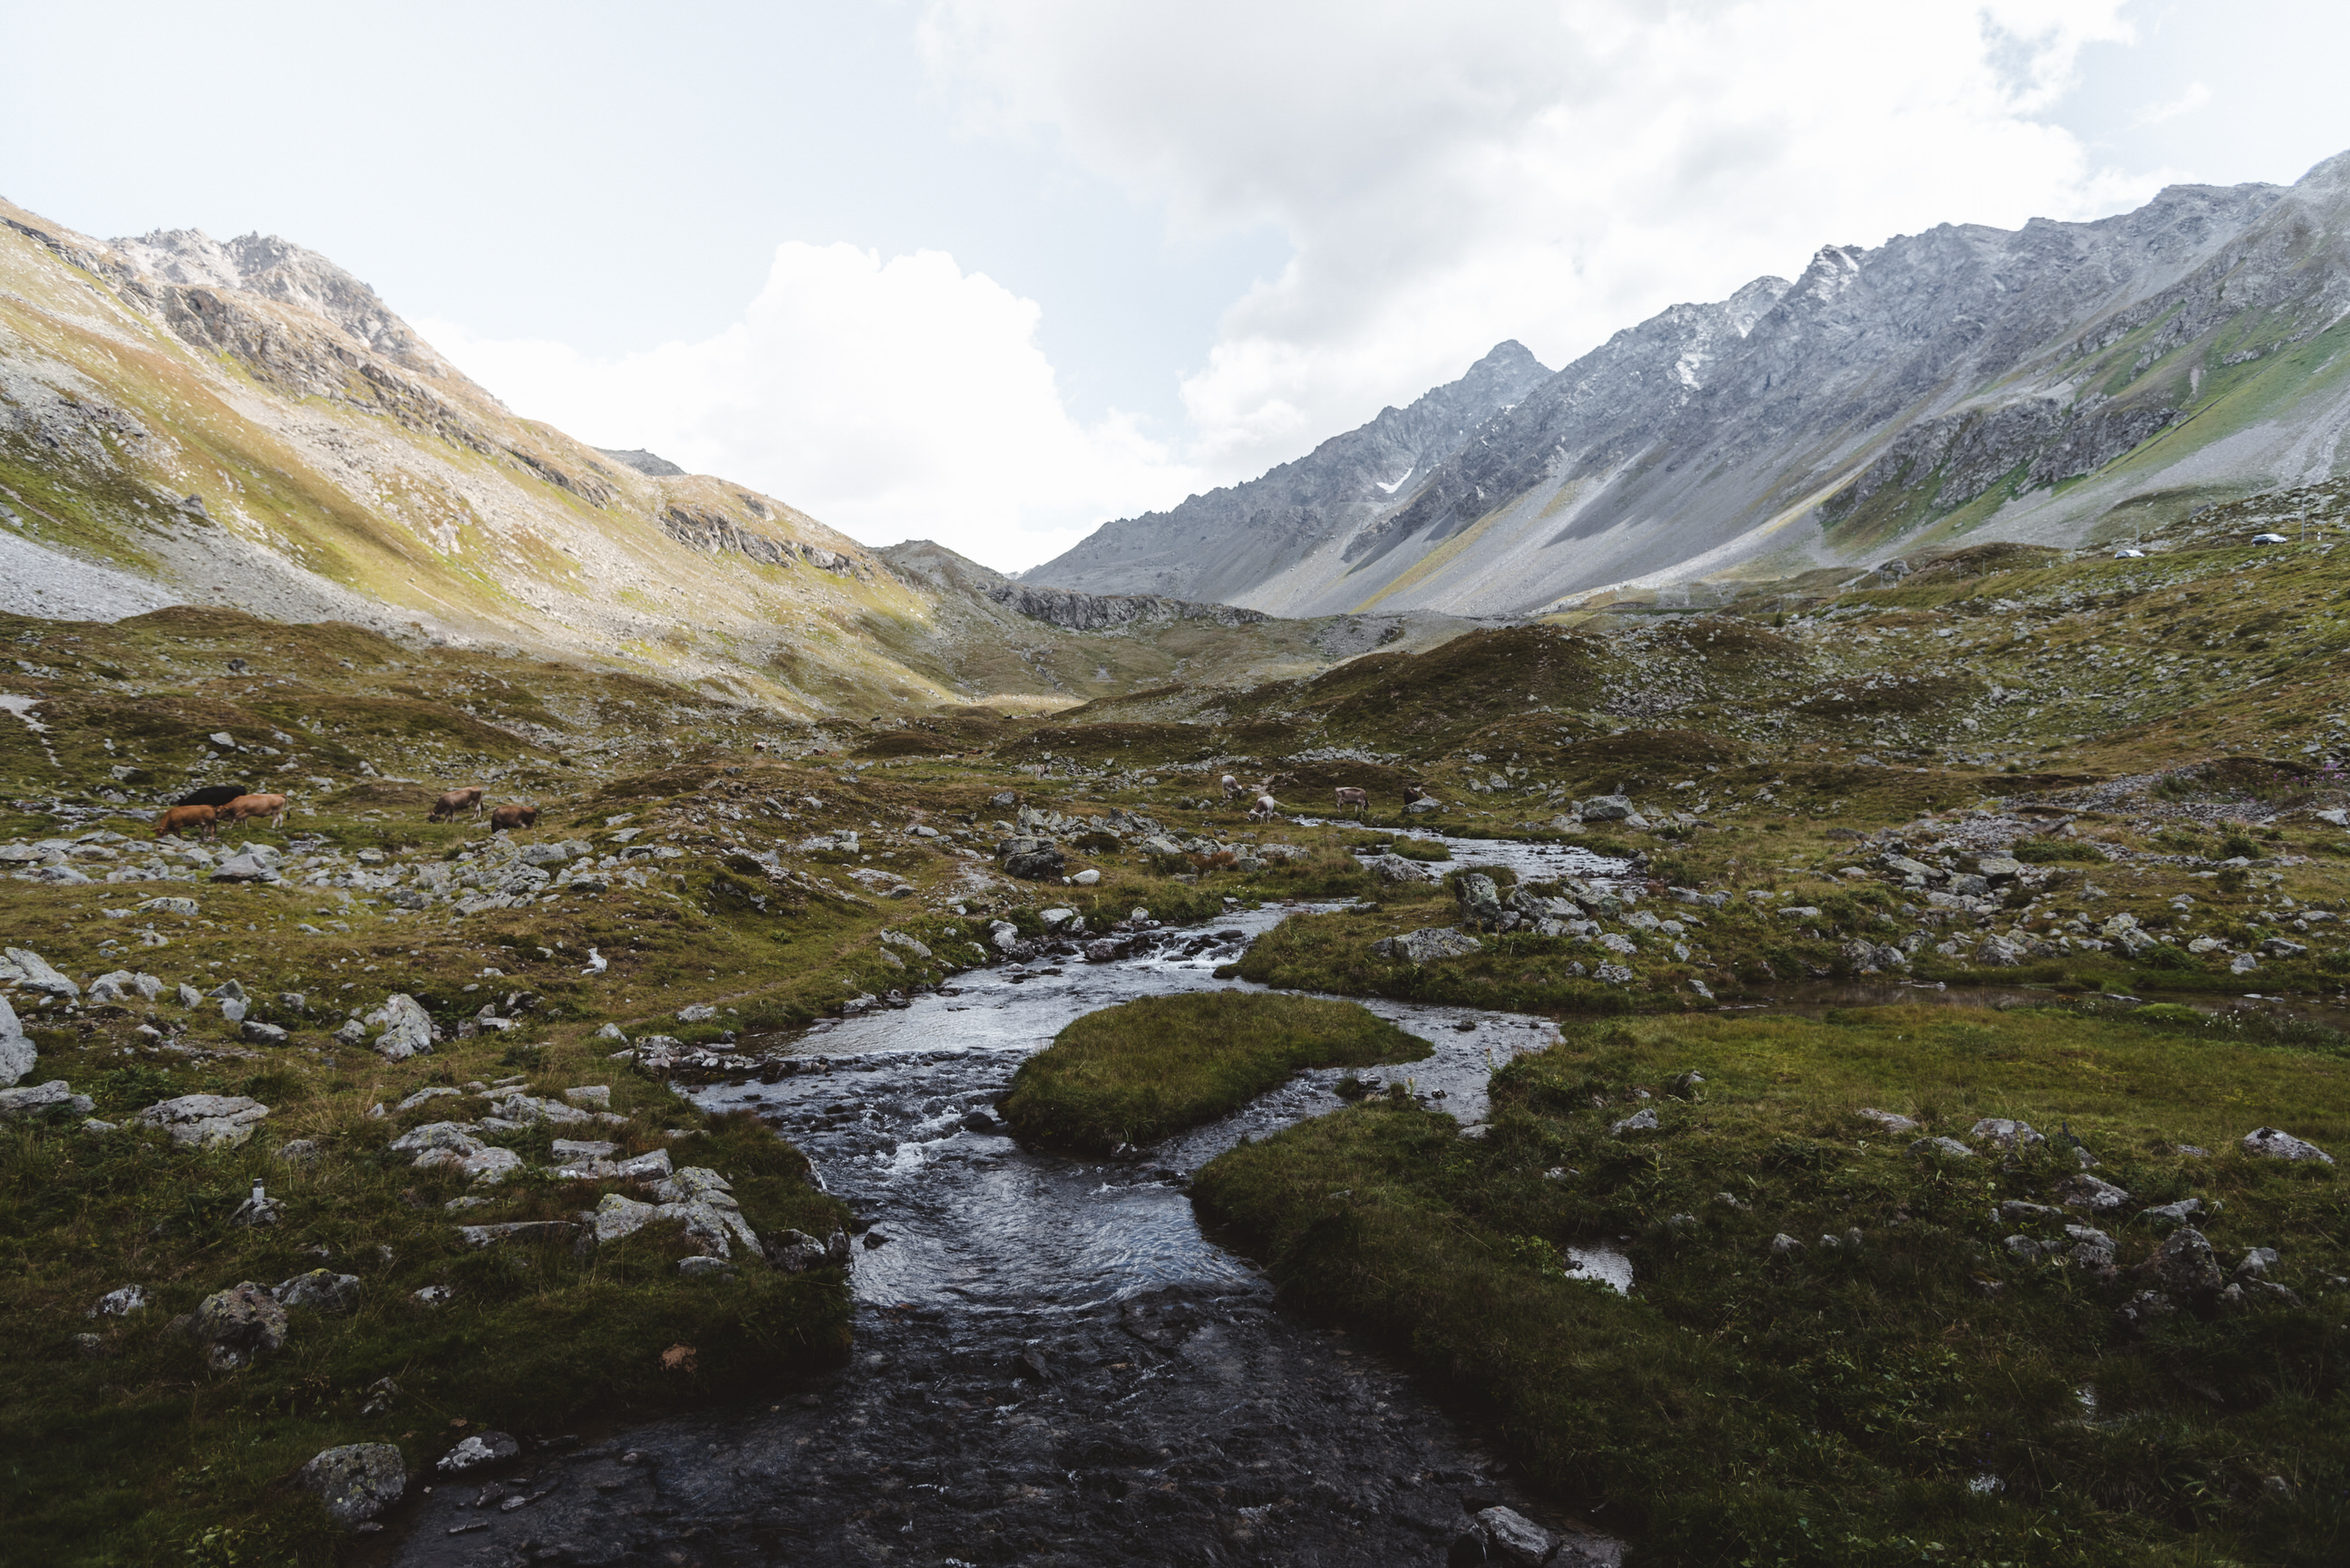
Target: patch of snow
(1391,489)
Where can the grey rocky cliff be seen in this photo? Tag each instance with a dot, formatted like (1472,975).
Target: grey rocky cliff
(1227,542)
(923,563)
(1943,380)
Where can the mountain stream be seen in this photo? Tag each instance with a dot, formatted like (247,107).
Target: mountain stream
(1053,1363)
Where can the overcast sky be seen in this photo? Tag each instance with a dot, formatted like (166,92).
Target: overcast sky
(994,271)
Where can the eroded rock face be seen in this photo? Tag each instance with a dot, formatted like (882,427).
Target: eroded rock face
(357,1481)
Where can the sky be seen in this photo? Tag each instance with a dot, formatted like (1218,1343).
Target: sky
(992,272)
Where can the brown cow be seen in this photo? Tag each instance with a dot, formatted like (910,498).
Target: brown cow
(1413,792)
(453,801)
(511,815)
(271,806)
(178,819)
(1360,799)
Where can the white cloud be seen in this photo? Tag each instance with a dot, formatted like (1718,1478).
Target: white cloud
(893,399)
(2192,97)
(1451,176)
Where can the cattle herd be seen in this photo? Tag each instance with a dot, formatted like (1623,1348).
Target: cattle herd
(1349,798)
(203,810)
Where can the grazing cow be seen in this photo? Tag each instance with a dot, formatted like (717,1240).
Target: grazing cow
(511,815)
(453,801)
(213,795)
(271,806)
(1231,786)
(1413,792)
(1360,799)
(1264,810)
(178,819)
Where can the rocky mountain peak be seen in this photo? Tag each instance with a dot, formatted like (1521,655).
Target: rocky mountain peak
(278,269)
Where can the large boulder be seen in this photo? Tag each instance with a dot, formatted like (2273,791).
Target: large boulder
(1034,859)
(1428,944)
(238,1324)
(31,970)
(17,1054)
(356,1481)
(1603,809)
(2274,1143)
(321,1290)
(207,1121)
(406,1029)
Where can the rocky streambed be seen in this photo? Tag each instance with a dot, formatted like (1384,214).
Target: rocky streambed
(1054,1364)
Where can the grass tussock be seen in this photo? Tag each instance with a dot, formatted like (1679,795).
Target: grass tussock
(1140,1071)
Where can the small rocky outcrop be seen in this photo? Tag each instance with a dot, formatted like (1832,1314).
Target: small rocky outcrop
(2274,1143)
(1428,944)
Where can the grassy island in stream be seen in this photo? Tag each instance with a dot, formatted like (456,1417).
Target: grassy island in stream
(1138,1073)
(1904,1381)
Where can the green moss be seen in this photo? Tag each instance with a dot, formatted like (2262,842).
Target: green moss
(1138,1073)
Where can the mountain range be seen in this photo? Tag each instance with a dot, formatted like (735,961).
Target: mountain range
(2060,384)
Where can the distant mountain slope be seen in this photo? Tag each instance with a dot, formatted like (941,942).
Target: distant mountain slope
(2062,383)
(1226,544)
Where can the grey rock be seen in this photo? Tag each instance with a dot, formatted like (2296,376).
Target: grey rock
(2023,1247)
(31,970)
(2282,948)
(1515,1539)
(2274,1143)
(2257,1262)
(1481,903)
(205,1121)
(2185,1264)
(239,1323)
(1428,944)
(525,1231)
(406,1029)
(55,1097)
(356,1481)
(299,1151)
(565,1149)
(479,1453)
(18,1055)
(2004,1133)
(2090,1192)
(701,1267)
(1784,1244)
(2177,1213)
(257,1033)
(1643,1120)
(121,985)
(322,1290)
(2091,1248)
(1944,1145)
(1891,1121)
(120,1303)
(2016,1211)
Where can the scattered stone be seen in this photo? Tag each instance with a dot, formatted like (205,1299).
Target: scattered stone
(1515,1539)
(1638,1121)
(2258,1262)
(2091,1248)
(2023,1247)
(238,1324)
(598,1096)
(433,1295)
(357,1481)
(120,1303)
(2147,1305)
(610,1032)
(322,1290)
(1891,1121)
(259,1033)
(517,1231)
(2004,1133)
(89,1346)
(207,1121)
(2090,1192)
(2177,1213)
(382,1394)
(1784,1244)
(479,1453)
(568,1148)
(2185,1264)
(2273,1143)
(18,1055)
(121,985)
(2015,1211)
(701,1267)
(1428,944)
(1949,1146)
(44,1100)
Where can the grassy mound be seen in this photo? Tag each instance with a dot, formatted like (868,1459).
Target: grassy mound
(1842,1402)
(1138,1073)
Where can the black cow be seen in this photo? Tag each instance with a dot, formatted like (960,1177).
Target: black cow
(212,795)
